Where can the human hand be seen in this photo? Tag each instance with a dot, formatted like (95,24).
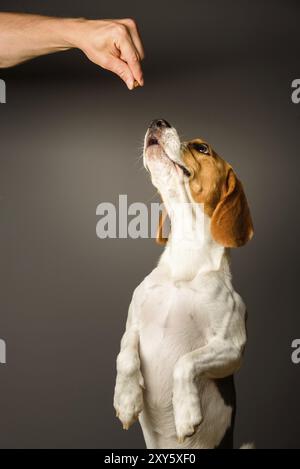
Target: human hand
(115,45)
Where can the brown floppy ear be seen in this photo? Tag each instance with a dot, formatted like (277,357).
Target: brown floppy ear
(159,235)
(231,223)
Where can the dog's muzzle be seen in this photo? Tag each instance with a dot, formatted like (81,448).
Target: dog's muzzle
(156,137)
(155,130)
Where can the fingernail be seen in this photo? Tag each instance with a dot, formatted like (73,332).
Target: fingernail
(142,82)
(130,84)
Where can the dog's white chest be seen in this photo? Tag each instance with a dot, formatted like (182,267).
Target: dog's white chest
(166,307)
(169,311)
(174,318)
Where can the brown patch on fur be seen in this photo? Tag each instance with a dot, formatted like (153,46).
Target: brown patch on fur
(214,183)
(159,235)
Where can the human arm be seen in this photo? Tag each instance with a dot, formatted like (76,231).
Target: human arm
(112,44)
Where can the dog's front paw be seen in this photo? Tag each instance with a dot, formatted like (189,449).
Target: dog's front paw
(186,403)
(128,398)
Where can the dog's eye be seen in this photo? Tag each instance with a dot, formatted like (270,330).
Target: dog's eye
(201,148)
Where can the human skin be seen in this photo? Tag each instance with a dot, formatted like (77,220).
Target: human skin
(113,44)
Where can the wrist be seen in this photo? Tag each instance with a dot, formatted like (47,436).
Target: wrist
(72,30)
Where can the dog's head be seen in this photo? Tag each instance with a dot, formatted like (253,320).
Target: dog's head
(212,181)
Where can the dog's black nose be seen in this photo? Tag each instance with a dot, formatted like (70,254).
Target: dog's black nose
(159,124)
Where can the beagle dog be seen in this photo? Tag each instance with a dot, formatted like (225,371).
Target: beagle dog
(185,333)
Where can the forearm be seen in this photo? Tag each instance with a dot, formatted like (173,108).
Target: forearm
(128,360)
(23,37)
(218,359)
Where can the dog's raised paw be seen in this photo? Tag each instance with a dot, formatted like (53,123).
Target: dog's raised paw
(128,399)
(186,429)
(187,413)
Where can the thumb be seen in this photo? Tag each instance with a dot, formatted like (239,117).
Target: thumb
(120,68)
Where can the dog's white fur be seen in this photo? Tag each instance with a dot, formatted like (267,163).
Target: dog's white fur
(185,327)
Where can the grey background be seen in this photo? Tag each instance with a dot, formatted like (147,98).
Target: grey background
(70,138)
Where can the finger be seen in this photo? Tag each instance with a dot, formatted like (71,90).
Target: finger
(120,68)
(135,35)
(129,54)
